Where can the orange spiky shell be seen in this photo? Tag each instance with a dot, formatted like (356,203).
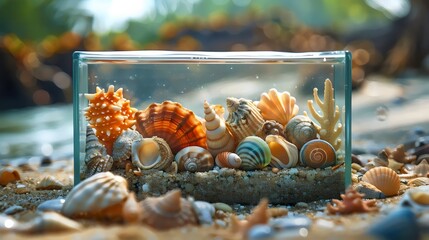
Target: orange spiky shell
(178,126)
(109,113)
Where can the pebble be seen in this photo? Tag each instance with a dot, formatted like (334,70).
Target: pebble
(220,223)
(13,209)
(189,187)
(301,205)
(290,222)
(222,206)
(369,190)
(46,161)
(260,232)
(205,212)
(145,188)
(51,205)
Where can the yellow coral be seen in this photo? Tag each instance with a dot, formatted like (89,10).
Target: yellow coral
(328,129)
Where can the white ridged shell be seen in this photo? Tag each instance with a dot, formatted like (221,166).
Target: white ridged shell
(194,159)
(283,153)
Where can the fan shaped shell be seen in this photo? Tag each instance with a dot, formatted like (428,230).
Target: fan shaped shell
(254,153)
(49,183)
(383,178)
(151,153)
(317,154)
(194,159)
(178,126)
(283,153)
(278,106)
(228,160)
(299,130)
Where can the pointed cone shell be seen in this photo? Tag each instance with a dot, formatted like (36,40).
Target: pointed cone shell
(383,178)
(219,139)
(151,153)
(98,164)
(254,153)
(168,211)
(283,153)
(178,126)
(228,160)
(122,145)
(194,159)
(278,106)
(93,146)
(299,130)
(101,195)
(317,153)
(244,118)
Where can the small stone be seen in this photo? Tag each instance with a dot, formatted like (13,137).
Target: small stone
(13,209)
(146,188)
(189,187)
(301,205)
(46,161)
(220,223)
(260,232)
(369,190)
(222,206)
(290,222)
(275,170)
(51,205)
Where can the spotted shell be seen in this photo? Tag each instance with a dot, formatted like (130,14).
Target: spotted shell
(151,153)
(122,145)
(194,159)
(100,196)
(8,175)
(254,153)
(219,138)
(178,126)
(49,183)
(168,211)
(244,118)
(270,127)
(278,106)
(299,130)
(228,160)
(383,178)
(110,114)
(283,153)
(317,153)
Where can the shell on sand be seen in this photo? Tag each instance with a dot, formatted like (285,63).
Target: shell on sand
(122,145)
(194,159)
(383,178)
(299,130)
(49,183)
(278,106)
(283,153)
(151,153)
(228,160)
(254,153)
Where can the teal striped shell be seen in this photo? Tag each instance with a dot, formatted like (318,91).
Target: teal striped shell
(254,153)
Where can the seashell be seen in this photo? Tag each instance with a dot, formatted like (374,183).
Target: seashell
(384,179)
(219,139)
(283,153)
(98,164)
(204,211)
(417,199)
(49,222)
(168,211)
(278,106)
(151,153)
(244,118)
(96,158)
(317,153)
(420,181)
(49,183)
(110,114)
(122,145)
(420,197)
(228,160)
(194,159)
(100,196)
(299,130)
(178,126)
(254,153)
(422,169)
(422,157)
(270,127)
(9,175)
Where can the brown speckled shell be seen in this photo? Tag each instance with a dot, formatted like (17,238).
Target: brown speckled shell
(178,126)
(383,178)
(168,211)
(194,159)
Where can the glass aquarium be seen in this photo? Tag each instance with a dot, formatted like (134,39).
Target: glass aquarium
(229,127)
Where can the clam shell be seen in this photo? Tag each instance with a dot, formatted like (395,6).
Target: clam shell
(244,118)
(283,153)
(228,160)
(122,145)
(101,195)
(49,183)
(299,130)
(194,159)
(98,164)
(9,175)
(151,153)
(168,211)
(317,153)
(178,126)
(219,139)
(384,179)
(254,153)
(278,106)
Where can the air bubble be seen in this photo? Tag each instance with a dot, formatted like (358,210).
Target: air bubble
(257,77)
(382,112)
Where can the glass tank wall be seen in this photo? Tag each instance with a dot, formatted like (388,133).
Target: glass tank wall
(222,126)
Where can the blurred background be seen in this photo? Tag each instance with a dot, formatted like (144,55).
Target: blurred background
(389,41)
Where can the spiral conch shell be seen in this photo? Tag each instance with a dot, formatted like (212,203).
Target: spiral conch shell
(254,153)
(122,145)
(100,196)
(194,159)
(228,160)
(151,153)
(299,130)
(317,153)
(178,126)
(283,153)
(383,178)
(244,118)
(96,159)
(168,211)
(219,139)
(278,106)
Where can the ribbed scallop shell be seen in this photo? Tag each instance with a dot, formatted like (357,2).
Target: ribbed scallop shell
(254,153)
(101,195)
(283,153)
(151,153)
(49,183)
(194,159)
(228,160)
(219,139)
(178,126)
(122,145)
(317,153)
(244,118)
(299,130)
(278,106)
(168,211)
(383,178)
